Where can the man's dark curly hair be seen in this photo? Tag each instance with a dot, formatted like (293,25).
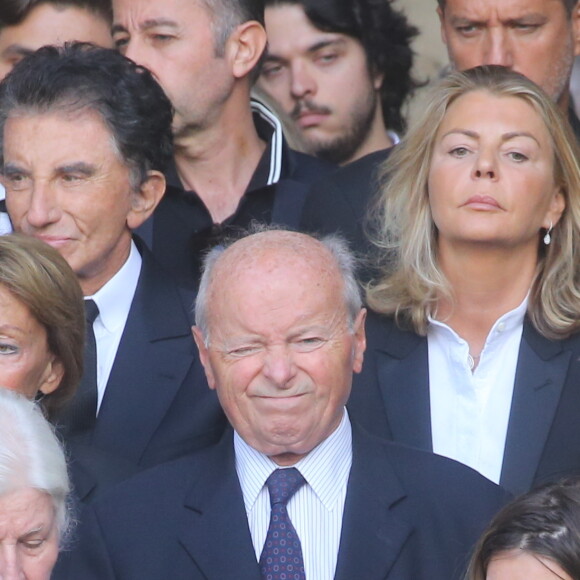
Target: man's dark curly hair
(81,77)
(385,35)
(13,12)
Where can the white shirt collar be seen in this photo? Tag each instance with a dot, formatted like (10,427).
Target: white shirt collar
(326,468)
(507,322)
(115,297)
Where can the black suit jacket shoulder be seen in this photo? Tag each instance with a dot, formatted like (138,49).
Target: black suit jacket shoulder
(180,230)
(408,515)
(391,399)
(340,202)
(305,168)
(157,405)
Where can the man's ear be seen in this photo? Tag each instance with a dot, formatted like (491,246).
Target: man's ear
(203,355)
(360,341)
(145,199)
(245,47)
(378,79)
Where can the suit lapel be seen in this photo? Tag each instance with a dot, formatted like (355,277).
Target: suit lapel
(155,353)
(214,530)
(403,376)
(372,535)
(540,375)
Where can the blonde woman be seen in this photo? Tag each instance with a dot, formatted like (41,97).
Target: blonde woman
(474,351)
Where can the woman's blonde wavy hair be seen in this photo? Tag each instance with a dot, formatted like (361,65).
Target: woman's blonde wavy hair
(412,281)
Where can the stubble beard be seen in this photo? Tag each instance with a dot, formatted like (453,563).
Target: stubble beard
(343,147)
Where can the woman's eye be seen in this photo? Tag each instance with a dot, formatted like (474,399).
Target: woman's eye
(459,151)
(7,348)
(517,156)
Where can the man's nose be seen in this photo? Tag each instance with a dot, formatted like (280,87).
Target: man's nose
(279,366)
(498,48)
(134,50)
(303,82)
(10,565)
(42,209)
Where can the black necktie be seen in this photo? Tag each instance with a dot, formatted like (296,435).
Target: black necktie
(80,415)
(282,553)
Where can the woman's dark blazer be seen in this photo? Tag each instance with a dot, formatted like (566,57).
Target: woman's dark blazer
(390,398)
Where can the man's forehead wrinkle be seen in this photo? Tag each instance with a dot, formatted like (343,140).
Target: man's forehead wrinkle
(268,251)
(485,10)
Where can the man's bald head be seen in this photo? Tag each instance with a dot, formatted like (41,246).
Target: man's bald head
(280,333)
(266,249)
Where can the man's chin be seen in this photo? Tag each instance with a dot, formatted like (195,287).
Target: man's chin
(336,151)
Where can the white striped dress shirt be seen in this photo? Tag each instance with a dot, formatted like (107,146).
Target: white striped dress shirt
(317,507)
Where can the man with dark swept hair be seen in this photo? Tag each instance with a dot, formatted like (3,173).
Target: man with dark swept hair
(26,25)
(342,70)
(85,135)
(231,164)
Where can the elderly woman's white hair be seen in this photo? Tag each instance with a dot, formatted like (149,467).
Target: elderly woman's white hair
(31,455)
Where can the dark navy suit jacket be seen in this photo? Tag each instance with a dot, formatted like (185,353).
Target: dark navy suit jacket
(391,399)
(408,515)
(157,405)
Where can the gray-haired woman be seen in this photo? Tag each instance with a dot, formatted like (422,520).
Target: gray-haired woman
(34,490)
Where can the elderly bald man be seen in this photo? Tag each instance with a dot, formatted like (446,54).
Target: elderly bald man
(280,332)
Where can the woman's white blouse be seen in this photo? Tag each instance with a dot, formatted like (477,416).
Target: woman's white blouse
(470,410)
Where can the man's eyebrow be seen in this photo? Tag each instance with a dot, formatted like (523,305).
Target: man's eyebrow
(326,44)
(272,57)
(147,25)
(11,169)
(464,21)
(32,532)
(78,167)
(17,50)
(532,17)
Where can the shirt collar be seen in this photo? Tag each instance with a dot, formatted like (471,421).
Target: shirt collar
(269,129)
(326,468)
(270,167)
(507,322)
(115,297)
